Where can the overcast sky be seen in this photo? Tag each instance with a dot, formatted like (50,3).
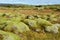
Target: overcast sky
(34,2)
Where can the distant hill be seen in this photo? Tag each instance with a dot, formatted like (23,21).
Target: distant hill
(16,5)
(26,5)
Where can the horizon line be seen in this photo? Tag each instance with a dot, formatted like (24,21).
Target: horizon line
(32,4)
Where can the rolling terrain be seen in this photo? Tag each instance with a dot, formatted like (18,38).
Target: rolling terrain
(32,10)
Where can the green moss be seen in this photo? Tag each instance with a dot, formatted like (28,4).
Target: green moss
(17,27)
(8,36)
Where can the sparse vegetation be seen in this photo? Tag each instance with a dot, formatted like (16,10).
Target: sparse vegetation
(30,22)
